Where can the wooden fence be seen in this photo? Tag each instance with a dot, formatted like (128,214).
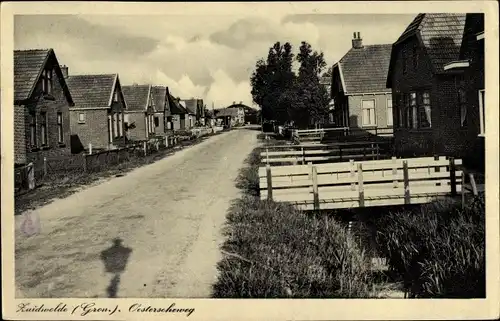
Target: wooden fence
(316,153)
(362,184)
(320,134)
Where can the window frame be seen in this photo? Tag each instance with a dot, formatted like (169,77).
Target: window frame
(44,136)
(374,113)
(33,137)
(421,109)
(391,114)
(80,120)
(47,84)
(60,132)
(482,112)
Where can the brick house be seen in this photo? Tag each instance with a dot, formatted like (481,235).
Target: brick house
(98,115)
(471,93)
(195,108)
(179,113)
(41,106)
(163,115)
(139,115)
(361,100)
(427,118)
(190,115)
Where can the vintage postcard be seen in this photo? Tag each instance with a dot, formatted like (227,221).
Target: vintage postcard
(250,161)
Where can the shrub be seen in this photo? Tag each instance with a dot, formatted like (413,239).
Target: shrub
(438,249)
(275,251)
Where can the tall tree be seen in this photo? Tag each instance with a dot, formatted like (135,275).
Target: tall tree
(311,99)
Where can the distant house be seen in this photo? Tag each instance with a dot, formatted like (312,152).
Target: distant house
(427,118)
(358,89)
(179,113)
(98,115)
(471,94)
(139,116)
(190,115)
(195,108)
(41,106)
(163,115)
(232,115)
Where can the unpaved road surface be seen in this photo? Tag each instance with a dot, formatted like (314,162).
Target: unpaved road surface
(168,215)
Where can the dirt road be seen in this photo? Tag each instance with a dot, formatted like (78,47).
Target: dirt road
(169,214)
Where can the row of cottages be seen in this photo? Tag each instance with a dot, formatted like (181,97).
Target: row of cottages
(231,115)
(361,100)
(196,111)
(436,75)
(56,113)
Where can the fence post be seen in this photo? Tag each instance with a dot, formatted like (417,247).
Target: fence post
(44,166)
(378,150)
(453,177)
(269,183)
(315,187)
(31,176)
(360,186)
(85,163)
(437,168)
(267,155)
(473,184)
(145,147)
(310,165)
(303,156)
(90,148)
(166,141)
(373,156)
(406,182)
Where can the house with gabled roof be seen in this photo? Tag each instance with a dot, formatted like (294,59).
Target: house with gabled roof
(358,89)
(469,76)
(427,118)
(163,115)
(41,106)
(139,116)
(195,110)
(97,118)
(179,113)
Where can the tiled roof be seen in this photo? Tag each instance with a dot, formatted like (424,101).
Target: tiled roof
(136,96)
(365,69)
(28,66)
(176,108)
(91,91)
(191,105)
(441,35)
(474,24)
(233,112)
(159,93)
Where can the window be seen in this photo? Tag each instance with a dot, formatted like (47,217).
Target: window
(43,128)
(81,118)
(368,107)
(482,114)
(157,121)
(416,110)
(120,124)
(462,103)
(425,111)
(60,134)
(115,96)
(413,119)
(46,78)
(389,112)
(405,60)
(33,130)
(415,57)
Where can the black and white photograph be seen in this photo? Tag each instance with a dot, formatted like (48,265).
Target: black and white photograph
(275,153)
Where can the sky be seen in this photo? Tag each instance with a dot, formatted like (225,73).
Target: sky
(203,56)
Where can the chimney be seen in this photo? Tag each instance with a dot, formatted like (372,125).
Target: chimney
(234,103)
(357,42)
(64,70)
(241,102)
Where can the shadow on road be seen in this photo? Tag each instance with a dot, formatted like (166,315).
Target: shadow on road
(115,260)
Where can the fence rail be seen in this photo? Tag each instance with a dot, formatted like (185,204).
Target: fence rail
(333,152)
(363,183)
